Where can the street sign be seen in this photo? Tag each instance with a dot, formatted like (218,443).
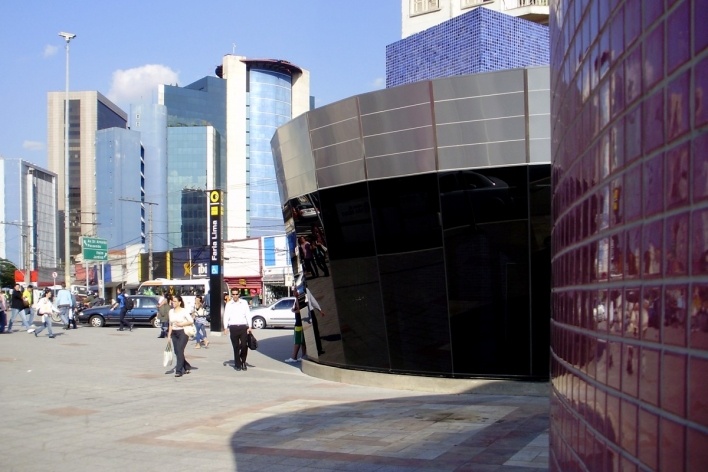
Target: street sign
(94,249)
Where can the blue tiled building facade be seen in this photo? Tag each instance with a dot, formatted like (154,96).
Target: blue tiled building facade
(482,40)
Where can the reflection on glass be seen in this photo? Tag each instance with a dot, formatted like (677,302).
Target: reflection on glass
(438,273)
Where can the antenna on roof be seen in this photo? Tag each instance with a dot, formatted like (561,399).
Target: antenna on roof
(233,48)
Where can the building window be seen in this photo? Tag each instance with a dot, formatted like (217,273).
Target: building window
(418,7)
(472,3)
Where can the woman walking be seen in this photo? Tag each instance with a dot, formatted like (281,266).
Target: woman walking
(200,322)
(179,318)
(45,309)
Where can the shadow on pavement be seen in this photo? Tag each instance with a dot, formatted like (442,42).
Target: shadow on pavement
(434,432)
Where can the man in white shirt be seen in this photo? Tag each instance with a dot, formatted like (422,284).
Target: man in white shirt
(65,302)
(237,322)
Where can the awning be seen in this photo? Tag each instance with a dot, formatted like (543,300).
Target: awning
(274,279)
(244,282)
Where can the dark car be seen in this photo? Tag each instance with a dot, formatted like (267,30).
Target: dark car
(144,312)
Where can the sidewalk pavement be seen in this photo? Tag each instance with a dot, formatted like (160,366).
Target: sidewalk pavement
(95,399)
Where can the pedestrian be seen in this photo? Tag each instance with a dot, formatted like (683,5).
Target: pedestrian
(312,305)
(45,308)
(65,303)
(179,318)
(299,338)
(28,297)
(121,303)
(17,307)
(3,312)
(200,322)
(320,253)
(308,257)
(237,322)
(164,305)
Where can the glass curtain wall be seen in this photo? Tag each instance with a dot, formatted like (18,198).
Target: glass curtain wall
(269,106)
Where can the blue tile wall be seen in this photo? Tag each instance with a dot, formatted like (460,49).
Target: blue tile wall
(481,40)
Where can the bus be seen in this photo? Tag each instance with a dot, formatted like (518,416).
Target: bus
(187,288)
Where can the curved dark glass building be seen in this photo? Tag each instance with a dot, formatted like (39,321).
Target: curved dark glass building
(432,200)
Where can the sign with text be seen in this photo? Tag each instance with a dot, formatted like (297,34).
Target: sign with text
(94,249)
(216,274)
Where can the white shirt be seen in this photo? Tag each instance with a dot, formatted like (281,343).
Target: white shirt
(309,298)
(44,306)
(237,313)
(178,316)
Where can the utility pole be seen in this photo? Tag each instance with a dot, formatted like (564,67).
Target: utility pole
(67,224)
(142,202)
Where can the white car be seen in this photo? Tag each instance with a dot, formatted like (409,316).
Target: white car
(278,314)
(305,210)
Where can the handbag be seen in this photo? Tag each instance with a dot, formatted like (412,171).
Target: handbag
(167,355)
(252,342)
(190,330)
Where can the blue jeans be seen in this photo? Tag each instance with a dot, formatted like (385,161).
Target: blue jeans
(201,333)
(3,320)
(29,312)
(23,317)
(46,323)
(64,313)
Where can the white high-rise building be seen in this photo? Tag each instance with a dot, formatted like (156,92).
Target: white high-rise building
(28,217)
(419,15)
(261,95)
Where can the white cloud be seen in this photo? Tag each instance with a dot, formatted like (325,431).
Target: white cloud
(33,145)
(50,50)
(139,84)
(379,83)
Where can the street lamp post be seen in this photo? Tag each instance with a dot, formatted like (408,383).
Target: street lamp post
(67,225)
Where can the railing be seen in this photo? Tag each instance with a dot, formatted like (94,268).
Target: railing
(508,4)
(471,3)
(511,4)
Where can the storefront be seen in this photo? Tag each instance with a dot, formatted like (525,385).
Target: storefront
(275,286)
(251,288)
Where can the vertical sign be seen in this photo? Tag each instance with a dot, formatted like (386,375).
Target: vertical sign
(216,275)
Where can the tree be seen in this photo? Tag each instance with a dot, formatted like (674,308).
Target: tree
(7,273)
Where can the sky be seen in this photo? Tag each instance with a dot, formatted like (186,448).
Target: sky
(125,49)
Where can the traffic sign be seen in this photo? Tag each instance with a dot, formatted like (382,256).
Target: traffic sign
(94,249)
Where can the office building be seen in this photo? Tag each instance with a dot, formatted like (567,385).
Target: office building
(121,188)
(89,112)
(630,239)
(151,121)
(261,95)
(28,217)
(195,158)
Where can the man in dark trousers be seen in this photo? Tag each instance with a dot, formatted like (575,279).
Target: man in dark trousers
(17,307)
(120,302)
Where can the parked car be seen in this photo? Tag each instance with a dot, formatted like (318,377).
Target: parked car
(144,312)
(278,314)
(304,210)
